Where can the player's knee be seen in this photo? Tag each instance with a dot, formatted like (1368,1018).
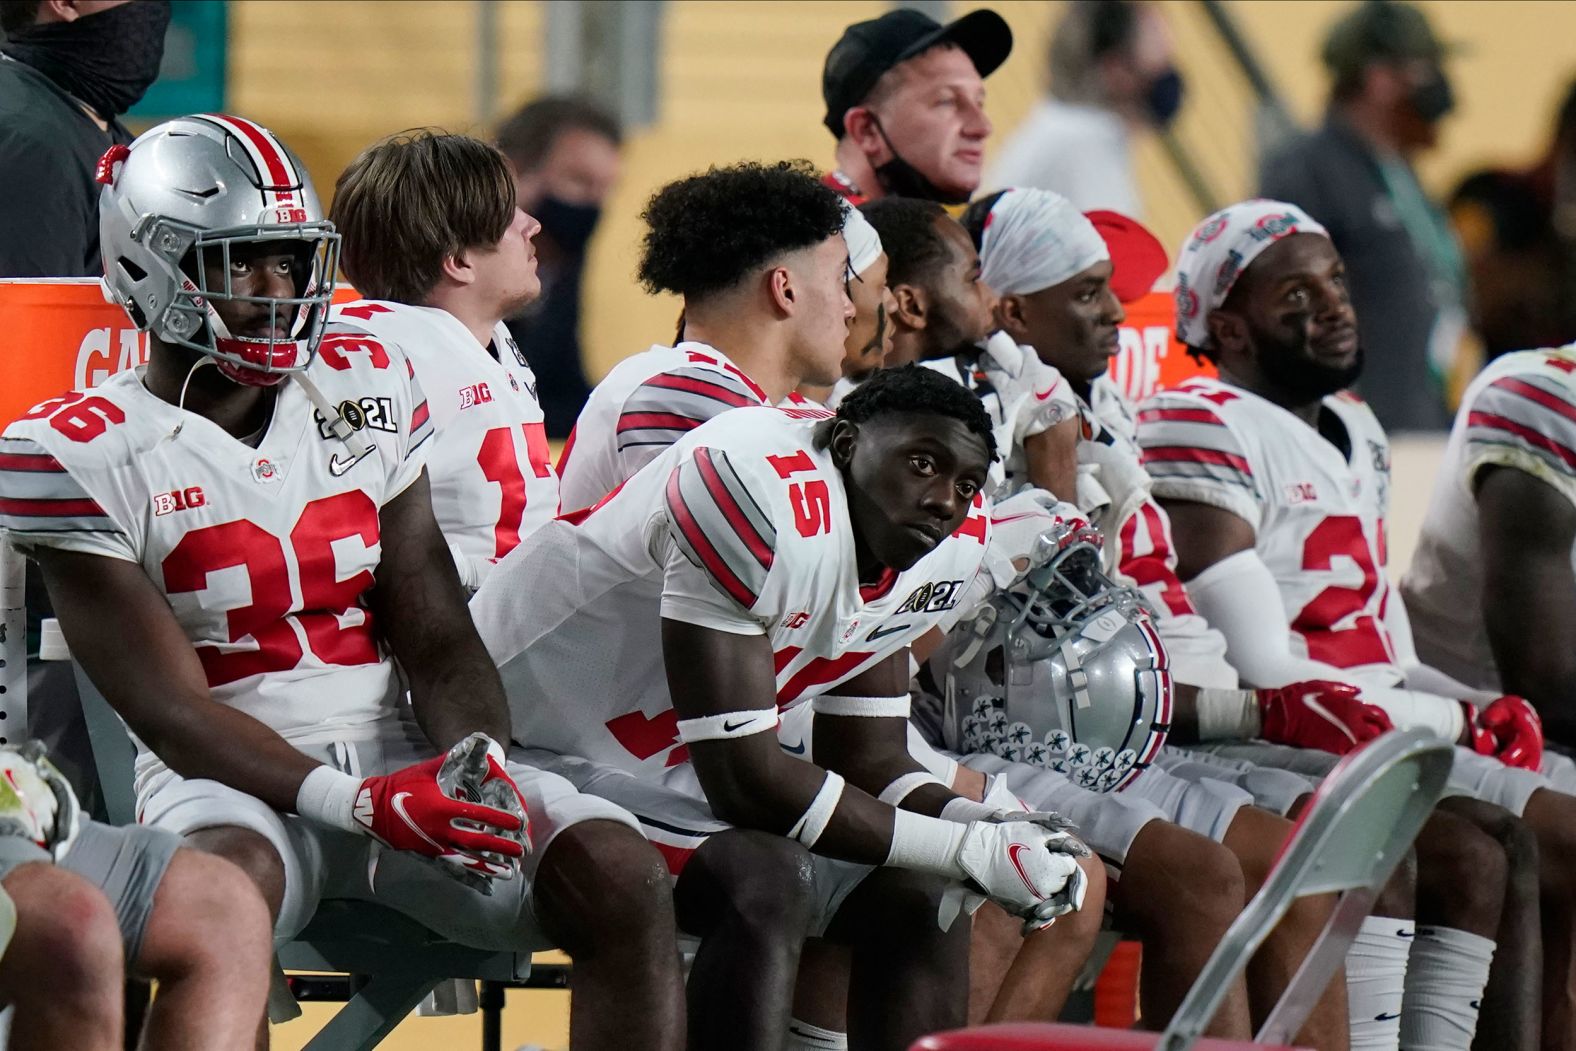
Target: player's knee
(220,917)
(1398,897)
(1461,874)
(763,881)
(67,937)
(604,880)
(1181,884)
(250,852)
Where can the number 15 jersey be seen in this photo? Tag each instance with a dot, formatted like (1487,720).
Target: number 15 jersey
(740,526)
(265,553)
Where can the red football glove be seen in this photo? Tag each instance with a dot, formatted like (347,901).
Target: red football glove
(1329,716)
(409,810)
(1508,728)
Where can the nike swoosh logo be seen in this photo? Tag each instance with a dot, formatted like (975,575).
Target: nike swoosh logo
(1387,1017)
(881,633)
(791,750)
(1476,1005)
(337,467)
(398,804)
(1404,933)
(1013,850)
(728,727)
(1041,397)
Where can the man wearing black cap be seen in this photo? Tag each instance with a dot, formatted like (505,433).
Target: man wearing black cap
(905,97)
(1354,175)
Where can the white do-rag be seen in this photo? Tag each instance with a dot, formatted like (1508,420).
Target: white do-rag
(1220,248)
(1035,239)
(864,244)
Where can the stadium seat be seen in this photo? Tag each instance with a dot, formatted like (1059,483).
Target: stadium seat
(1347,842)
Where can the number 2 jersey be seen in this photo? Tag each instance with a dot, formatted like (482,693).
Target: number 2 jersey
(490,468)
(741,526)
(265,554)
(1520,412)
(1318,511)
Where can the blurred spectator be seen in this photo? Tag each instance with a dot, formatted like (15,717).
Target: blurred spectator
(1111,76)
(905,97)
(565,155)
(1518,229)
(68,70)
(1354,175)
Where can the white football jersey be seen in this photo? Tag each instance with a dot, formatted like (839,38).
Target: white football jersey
(1319,512)
(1138,542)
(1023,395)
(491,471)
(643,406)
(741,526)
(266,554)
(1519,412)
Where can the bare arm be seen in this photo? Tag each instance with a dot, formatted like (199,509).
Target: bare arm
(418,601)
(1529,592)
(1052,457)
(1204,535)
(121,630)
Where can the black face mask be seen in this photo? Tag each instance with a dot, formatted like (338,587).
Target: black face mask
(107,60)
(569,225)
(1433,98)
(1164,98)
(898,178)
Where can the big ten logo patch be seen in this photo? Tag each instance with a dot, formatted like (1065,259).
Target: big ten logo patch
(374,413)
(1137,367)
(933,596)
(106,351)
(475,394)
(179,500)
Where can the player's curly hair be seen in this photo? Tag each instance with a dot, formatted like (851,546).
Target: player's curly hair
(708,232)
(913,244)
(914,388)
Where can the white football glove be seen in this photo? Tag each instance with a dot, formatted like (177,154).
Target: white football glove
(1021,865)
(36,801)
(1017,524)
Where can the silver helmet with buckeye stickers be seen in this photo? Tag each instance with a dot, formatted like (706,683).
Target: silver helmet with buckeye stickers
(1065,671)
(177,204)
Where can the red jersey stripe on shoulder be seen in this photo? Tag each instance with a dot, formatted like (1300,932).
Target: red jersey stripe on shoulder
(1536,394)
(639,421)
(1180,416)
(1526,434)
(418,418)
(753,541)
(24,508)
(711,560)
(1191,454)
(30,462)
(695,385)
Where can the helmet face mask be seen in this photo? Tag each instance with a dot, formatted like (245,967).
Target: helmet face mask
(1066,672)
(179,206)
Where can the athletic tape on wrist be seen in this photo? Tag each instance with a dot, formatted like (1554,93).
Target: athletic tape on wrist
(328,797)
(1227,715)
(966,810)
(818,814)
(927,844)
(865,707)
(906,785)
(728,725)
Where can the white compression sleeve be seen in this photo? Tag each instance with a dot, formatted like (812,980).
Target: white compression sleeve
(926,844)
(1376,981)
(1444,986)
(328,797)
(1239,597)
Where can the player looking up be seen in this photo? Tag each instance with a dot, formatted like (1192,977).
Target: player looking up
(432,237)
(778,562)
(757,254)
(265,562)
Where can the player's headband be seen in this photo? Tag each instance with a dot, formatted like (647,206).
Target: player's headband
(1220,249)
(864,244)
(1035,239)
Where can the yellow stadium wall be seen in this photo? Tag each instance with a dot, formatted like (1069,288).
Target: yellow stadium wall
(742,79)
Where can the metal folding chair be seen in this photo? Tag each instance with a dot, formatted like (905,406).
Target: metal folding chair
(1348,841)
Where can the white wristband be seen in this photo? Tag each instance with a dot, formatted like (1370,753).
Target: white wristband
(329,798)
(1409,708)
(1228,715)
(926,844)
(906,786)
(865,707)
(966,810)
(728,724)
(818,814)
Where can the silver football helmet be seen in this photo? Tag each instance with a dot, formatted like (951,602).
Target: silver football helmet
(189,192)
(1064,671)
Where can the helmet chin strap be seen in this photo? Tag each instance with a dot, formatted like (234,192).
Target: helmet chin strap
(180,403)
(358,442)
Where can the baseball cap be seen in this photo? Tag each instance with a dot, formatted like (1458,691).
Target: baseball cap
(1138,259)
(868,49)
(1381,29)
